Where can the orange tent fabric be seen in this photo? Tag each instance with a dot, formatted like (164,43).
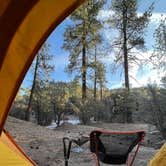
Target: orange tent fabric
(11,153)
(24,26)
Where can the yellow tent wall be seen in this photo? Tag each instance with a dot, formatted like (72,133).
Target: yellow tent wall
(11,153)
(160,158)
(24,26)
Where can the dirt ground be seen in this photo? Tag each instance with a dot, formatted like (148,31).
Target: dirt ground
(45,146)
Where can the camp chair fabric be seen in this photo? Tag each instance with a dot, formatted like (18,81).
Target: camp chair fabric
(160,158)
(114,147)
(11,153)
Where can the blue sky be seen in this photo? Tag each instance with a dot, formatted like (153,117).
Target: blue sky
(142,75)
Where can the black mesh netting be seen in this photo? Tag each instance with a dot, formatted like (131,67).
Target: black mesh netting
(113,148)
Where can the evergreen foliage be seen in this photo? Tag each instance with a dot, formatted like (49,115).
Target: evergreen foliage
(41,74)
(131,29)
(159,55)
(79,36)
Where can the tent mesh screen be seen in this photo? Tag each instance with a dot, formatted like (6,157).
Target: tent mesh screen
(113,148)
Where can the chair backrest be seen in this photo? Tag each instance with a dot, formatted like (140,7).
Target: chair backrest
(114,147)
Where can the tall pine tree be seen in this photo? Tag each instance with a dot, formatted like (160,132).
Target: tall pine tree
(79,35)
(159,54)
(42,67)
(97,52)
(131,29)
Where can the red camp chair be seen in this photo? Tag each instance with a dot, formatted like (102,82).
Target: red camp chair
(115,147)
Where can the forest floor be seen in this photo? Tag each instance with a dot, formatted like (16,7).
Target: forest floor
(45,146)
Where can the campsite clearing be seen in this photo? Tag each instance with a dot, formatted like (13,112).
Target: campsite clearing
(45,147)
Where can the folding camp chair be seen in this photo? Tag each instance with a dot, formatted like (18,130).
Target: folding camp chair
(115,147)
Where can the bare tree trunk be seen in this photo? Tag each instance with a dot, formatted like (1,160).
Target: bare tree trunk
(27,113)
(54,109)
(95,76)
(59,118)
(157,110)
(84,95)
(101,90)
(38,114)
(95,89)
(125,52)
(128,113)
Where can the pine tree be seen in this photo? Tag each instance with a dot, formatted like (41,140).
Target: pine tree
(97,52)
(159,55)
(74,89)
(79,35)
(131,32)
(130,28)
(41,73)
(101,78)
(41,104)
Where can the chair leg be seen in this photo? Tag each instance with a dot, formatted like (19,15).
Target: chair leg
(96,159)
(67,147)
(130,163)
(128,160)
(98,162)
(135,154)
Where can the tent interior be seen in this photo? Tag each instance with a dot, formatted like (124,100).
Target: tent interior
(22,33)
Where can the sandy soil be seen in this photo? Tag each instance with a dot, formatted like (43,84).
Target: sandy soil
(45,146)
